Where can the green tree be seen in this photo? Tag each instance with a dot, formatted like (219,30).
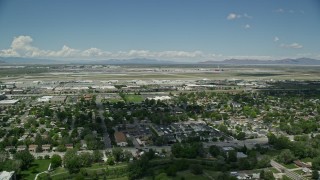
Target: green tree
(25,157)
(138,168)
(56,161)
(286,156)
(232,156)
(244,164)
(110,160)
(71,161)
(187,150)
(241,135)
(127,155)
(11,165)
(262,174)
(117,154)
(196,169)
(264,161)
(315,174)
(268,175)
(85,159)
(171,170)
(316,163)
(214,150)
(97,156)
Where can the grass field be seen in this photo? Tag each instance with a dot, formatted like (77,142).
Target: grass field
(274,170)
(179,72)
(133,98)
(122,178)
(62,173)
(299,172)
(290,166)
(36,167)
(306,160)
(273,152)
(187,175)
(114,100)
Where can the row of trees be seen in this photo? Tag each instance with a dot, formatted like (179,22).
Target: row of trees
(21,161)
(74,161)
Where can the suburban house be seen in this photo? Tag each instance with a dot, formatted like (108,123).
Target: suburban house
(21,148)
(33,147)
(69,146)
(120,138)
(46,147)
(8,175)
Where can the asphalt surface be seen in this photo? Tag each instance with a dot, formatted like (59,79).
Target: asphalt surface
(288,173)
(106,138)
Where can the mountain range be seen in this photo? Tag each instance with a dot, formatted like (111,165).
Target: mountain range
(298,61)
(136,61)
(19,60)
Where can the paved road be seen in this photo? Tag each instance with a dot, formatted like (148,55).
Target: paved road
(106,138)
(250,143)
(288,173)
(131,149)
(35,178)
(235,143)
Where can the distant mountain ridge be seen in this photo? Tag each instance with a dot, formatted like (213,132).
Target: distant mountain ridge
(137,61)
(131,61)
(19,60)
(298,61)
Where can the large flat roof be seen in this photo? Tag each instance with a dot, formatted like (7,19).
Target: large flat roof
(11,101)
(5,175)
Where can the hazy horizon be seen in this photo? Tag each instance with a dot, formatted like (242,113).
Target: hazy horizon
(177,31)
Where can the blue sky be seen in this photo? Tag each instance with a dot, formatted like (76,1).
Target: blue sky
(181,30)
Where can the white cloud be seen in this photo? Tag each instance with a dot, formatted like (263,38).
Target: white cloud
(247,26)
(233,16)
(22,47)
(280,10)
(250,57)
(292,46)
(247,16)
(276,39)
(95,52)
(8,53)
(291,11)
(21,42)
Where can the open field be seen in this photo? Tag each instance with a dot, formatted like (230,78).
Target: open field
(62,173)
(187,175)
(133,98)
(163,73)
(36,167)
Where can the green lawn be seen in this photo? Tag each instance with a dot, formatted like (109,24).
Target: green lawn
(187,175)
(62,173)
(102,165)
(133,98)
(114,100)
(121,178)
(299,172)
(213,174)
(36,167)
(290,166)
(306,160)
(59,170)
(274,170)
(273,152)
